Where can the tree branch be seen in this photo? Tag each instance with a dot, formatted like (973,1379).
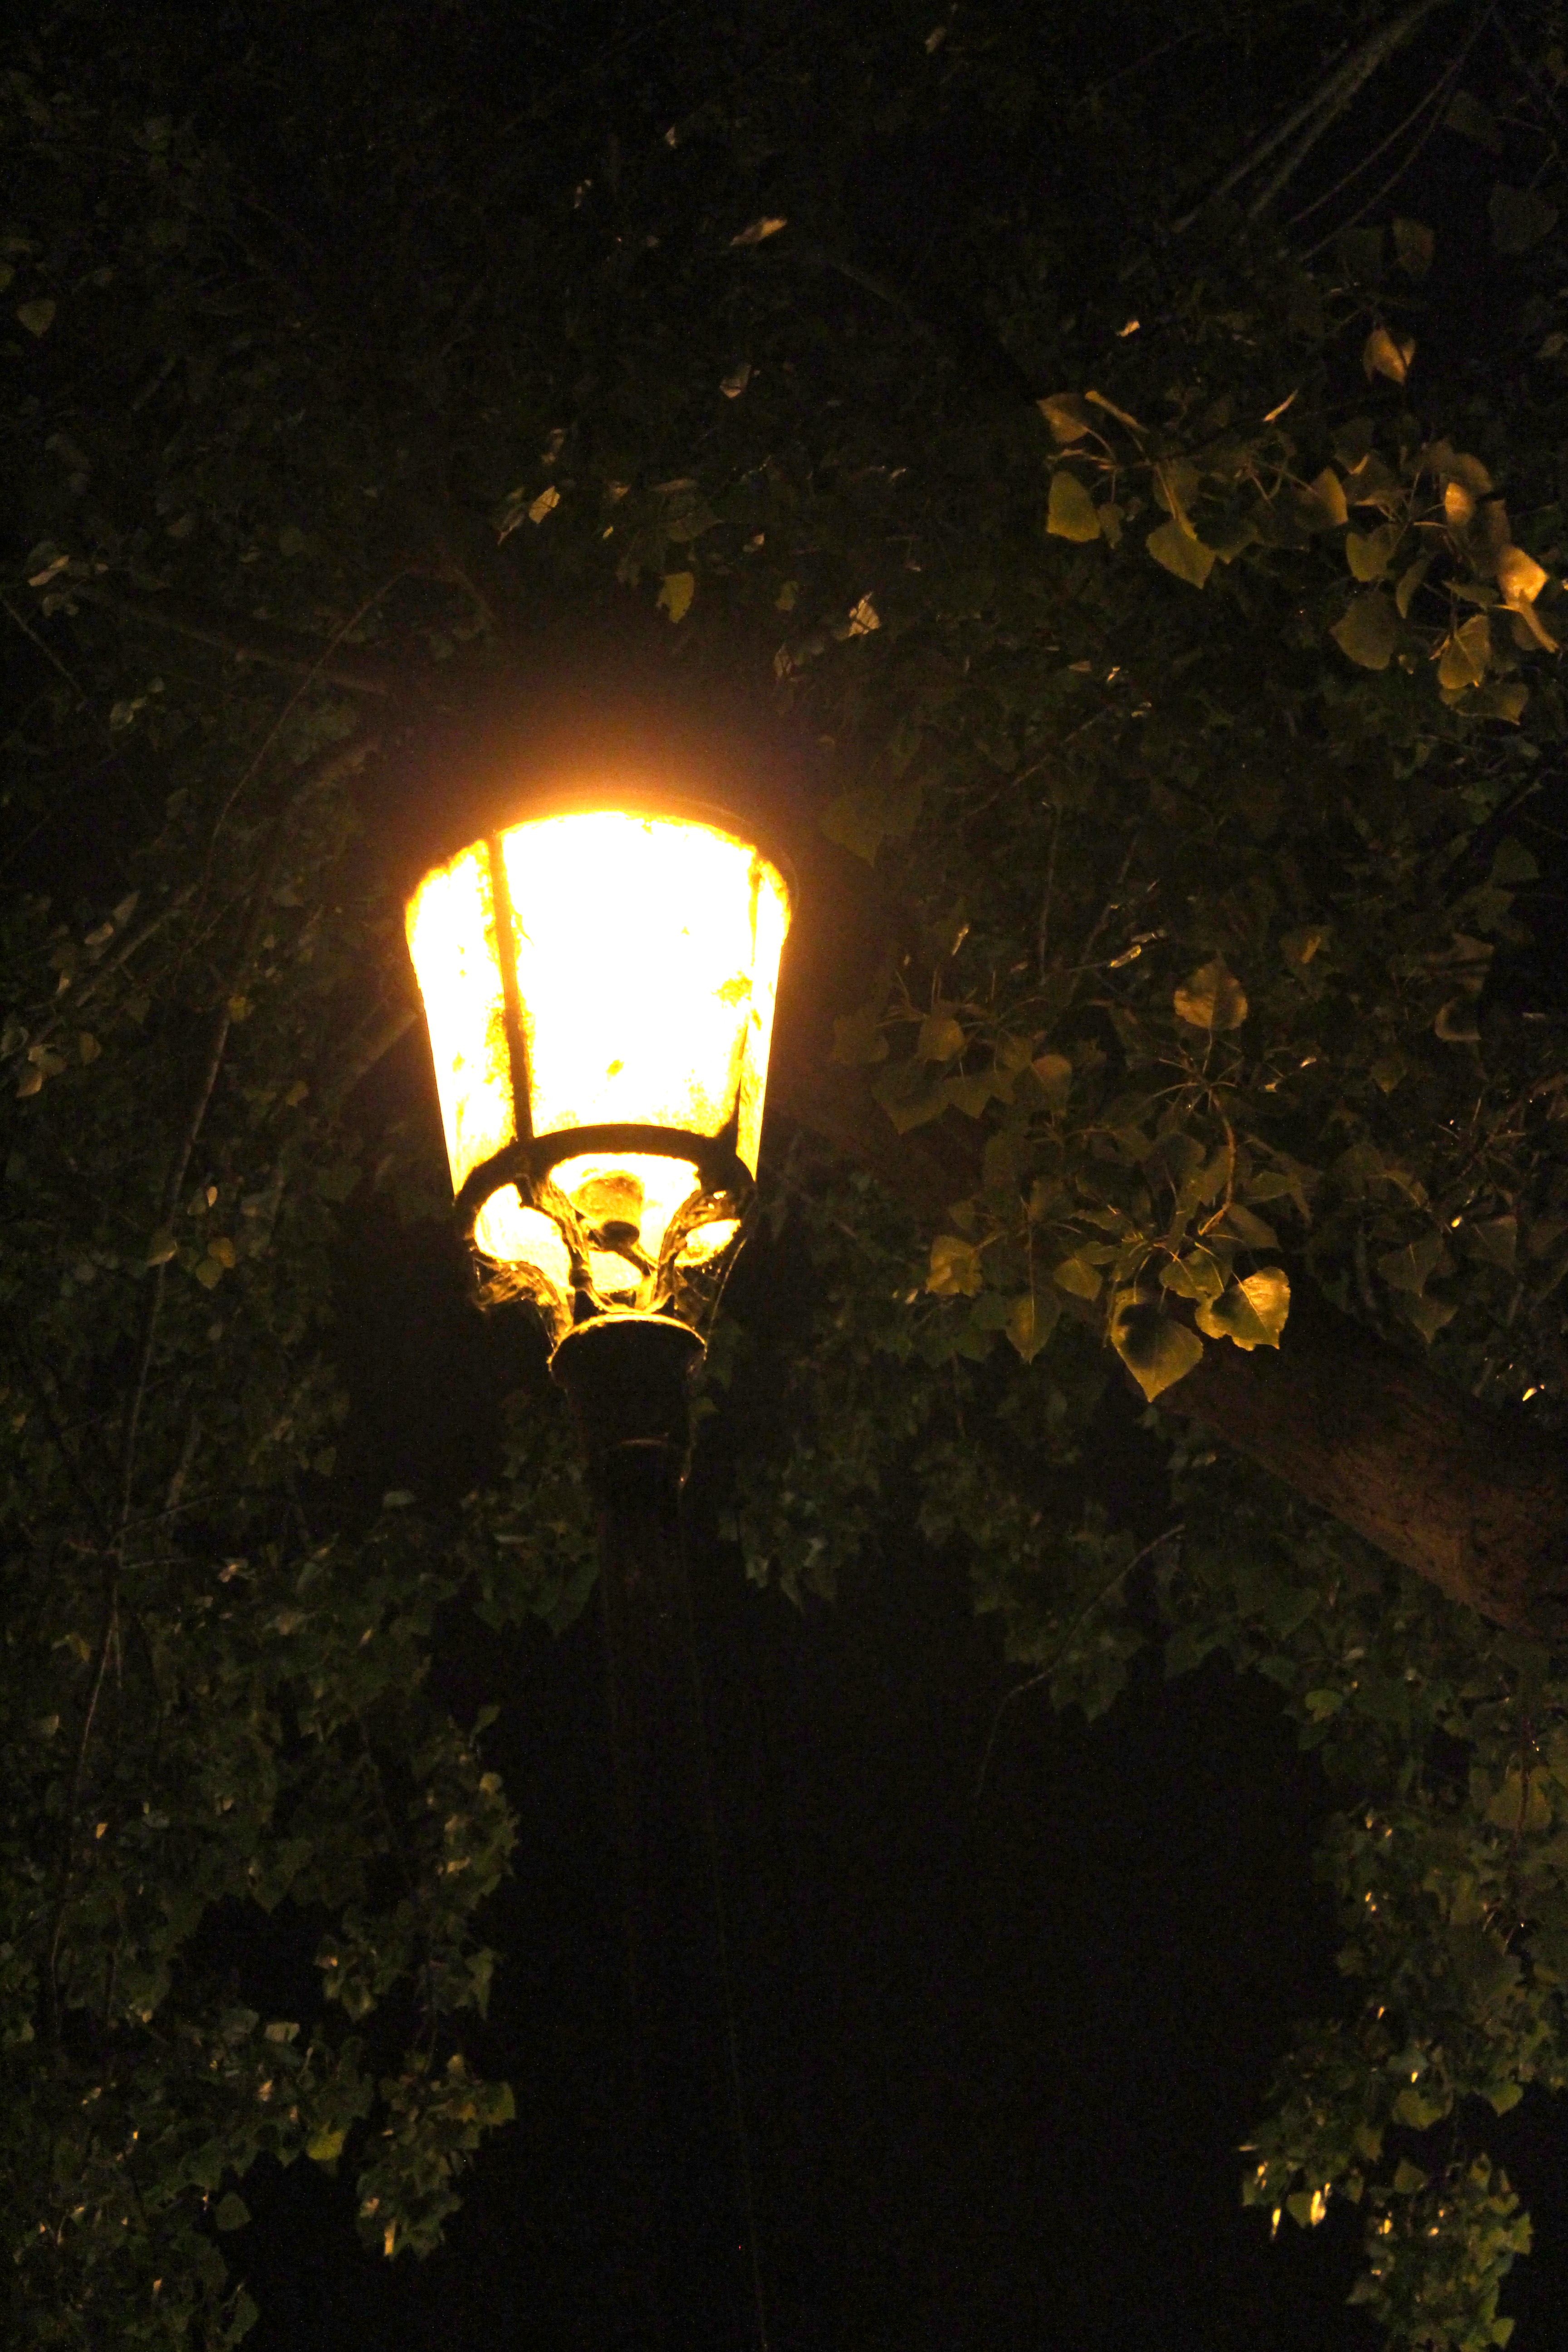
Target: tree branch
(1316,115)
(248,640)
(1465,1497)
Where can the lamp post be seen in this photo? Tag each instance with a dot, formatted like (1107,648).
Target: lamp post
(598,975)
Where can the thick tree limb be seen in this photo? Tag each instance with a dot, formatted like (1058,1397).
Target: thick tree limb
(1440,1483)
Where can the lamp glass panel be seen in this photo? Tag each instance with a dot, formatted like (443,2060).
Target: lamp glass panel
(647,952)
(452,941)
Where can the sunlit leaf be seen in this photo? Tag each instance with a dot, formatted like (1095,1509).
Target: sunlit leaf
(769,225)
(1466,652)
(1111,409)
(1066,414)
(1368,630)
(1518,576)
(1054,1072)
(1030,1322)
(1251,1312)
(1156,1349)
(1381,355)
(1298,947)
(1501,698)
(955,1269)
(1322,505)
(1198,1276)
(1071,513)
(1211,998)
(1369,553)
(1187,557)
(941,1037)
(1076,1276)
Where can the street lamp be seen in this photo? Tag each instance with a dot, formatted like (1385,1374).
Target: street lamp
(598,972)
(599,980)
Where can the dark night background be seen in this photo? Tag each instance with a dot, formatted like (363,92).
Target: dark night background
(999,2050)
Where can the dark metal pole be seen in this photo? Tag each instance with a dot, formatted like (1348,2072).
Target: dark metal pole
(628,1380)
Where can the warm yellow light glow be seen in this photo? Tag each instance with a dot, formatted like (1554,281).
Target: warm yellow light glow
(646,960)
(452,938)
(664,1184)
(646,957)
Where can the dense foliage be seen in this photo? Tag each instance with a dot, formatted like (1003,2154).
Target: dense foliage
(1173,614)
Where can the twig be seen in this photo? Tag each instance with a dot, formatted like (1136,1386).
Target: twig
(248,640)
(1046,1671)
(1315,116)
(1434,123)
(1432,96)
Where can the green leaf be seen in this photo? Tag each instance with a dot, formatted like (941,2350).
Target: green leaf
(1466,654)
(1243,1225)
(1054,1072)
(1369,553)
(862,819)
(233,2212)
(1071,513)
(1383,354)
(1414,245)
(326,2145)
(1252,1313)
(37,317)
(1367,631)
(1414,2108)
(1408,2178)
(1180,552)
(1496,1240)
(1066,414)
(1197,1275)
(857,1037)
(1411,1266)
(1429,1315)
(1467,116)
(1156,1349)
(1031,1319)
(955,1269)
(941,1037)
(1076,1276)
(1520,218)
(675,593)
(1521,1805)
(1211,998)
(968,1095)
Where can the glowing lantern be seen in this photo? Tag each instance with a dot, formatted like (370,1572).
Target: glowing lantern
(598,981)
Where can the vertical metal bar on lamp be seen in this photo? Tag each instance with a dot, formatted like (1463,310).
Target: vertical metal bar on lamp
(627,1380)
